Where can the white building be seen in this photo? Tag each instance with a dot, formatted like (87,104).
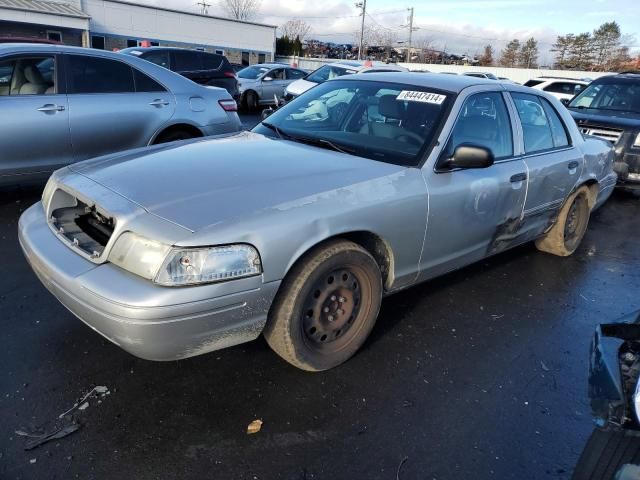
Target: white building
(116,24)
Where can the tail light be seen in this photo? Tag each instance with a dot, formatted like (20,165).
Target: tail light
(229,74)
(228,105)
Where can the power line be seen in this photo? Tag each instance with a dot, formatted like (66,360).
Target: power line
(312,17)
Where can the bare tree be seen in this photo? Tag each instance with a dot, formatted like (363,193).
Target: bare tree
(295,28)
(241,9)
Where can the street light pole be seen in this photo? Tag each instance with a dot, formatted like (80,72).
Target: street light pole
(362,5)
(410,34)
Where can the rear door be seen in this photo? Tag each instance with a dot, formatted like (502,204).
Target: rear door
(275,86)
(34,115)
(553,164)
(474,213)
(112,106)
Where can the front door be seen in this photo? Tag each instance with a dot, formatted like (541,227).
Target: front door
(113,106)
(34,116)
(554,165)
(474,213)
(275,86)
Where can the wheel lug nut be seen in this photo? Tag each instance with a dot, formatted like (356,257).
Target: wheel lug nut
(341,299)
(340,311)
(330,318)
(326,310)
(333,298)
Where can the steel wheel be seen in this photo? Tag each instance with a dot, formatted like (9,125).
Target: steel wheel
(576,222)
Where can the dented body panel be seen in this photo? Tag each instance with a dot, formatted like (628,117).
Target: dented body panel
(284,198)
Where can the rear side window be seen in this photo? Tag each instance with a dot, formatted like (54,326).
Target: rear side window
(145,83)
(293,74)
(563,87)
(535,125)
(158,57)
(186,60)
(99,75)
(211,61)
(558,128)
(533,83)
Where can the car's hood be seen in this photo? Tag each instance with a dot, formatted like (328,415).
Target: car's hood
(197,184)
(606,117)
(299,86)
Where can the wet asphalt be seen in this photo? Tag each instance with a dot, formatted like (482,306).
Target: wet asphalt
(480,374)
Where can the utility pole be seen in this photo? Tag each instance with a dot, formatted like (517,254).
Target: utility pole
(363,6)
(410,34)
(204,7)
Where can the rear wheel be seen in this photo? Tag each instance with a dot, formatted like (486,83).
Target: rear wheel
(174,135)
(565,236)
(251,101)
(326,307)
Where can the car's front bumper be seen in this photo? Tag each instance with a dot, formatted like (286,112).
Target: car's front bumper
(148,321)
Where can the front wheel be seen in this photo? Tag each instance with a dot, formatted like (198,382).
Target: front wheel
(326,306)
(565,236)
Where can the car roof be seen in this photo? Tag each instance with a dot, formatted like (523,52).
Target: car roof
(362,65)
(452,83)
(270,65)
(553,79)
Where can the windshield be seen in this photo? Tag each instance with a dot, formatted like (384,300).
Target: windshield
(621,96)
(251,73)
(389,122)
(327,72)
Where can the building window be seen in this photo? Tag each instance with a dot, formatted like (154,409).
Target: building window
(132,43)
(200,49)
(220,52)
(245,58)
(54,36)
(155,44)
(261,58)
(97,41)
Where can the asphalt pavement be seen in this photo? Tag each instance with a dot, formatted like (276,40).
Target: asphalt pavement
(480,374)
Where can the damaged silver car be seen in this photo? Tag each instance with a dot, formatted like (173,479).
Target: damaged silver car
(360,187)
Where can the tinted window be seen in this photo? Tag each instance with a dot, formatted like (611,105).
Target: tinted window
(327,72)
(99,75)
(159,57)
(617,94)
(535,126)
(251,73)
(277,74)
(144,83)
(483,121)
(212,61)
(533,83)
(558,128)
(28,76)
(293,74)
(97,42)
(186,60)
(563,87)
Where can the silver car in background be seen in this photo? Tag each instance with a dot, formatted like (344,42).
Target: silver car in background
(359,188)
(60,105)
(261,84)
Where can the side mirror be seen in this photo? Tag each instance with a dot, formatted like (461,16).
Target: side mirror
(565,101)
(470,156)
(267,79)
(266,113)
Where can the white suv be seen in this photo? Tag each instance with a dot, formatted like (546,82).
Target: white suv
(559,87)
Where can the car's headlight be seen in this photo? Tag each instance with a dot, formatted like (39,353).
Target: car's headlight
(189,266)
(636,144)
(138,254)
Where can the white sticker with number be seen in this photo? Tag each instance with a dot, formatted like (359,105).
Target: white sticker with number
(424,97)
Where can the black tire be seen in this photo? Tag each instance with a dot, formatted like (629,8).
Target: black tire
(606,452)
(174,136)
(251,101)
(326,307)
(565,236)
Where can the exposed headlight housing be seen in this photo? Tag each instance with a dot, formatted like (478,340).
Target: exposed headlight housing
(191,266)
(138,254)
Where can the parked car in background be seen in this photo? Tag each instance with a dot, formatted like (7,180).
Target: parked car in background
(261,84)
(4,39)
(560,87)
(334,70)
(613,450)
(489,76)
(609,108)
(205,68)
(361,187)
(59,105)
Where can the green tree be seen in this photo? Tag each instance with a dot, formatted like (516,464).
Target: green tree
(581,52)
(486,59)
(296,46)
(561,48)
(528,54)
(509,56)
(606,45)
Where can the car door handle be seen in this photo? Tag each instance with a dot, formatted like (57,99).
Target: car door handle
(573,165)
(159,103)
(519,177)
(50,107)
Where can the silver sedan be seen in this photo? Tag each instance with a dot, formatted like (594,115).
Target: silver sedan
(359,188)
(262,84)
(59,105)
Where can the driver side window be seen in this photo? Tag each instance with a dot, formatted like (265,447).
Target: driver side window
(483,122)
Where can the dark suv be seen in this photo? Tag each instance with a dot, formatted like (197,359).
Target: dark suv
(205,68)
(609,108)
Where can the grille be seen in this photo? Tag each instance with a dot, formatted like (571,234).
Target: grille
(606,133)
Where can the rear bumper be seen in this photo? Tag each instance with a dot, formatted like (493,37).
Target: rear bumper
(148,321)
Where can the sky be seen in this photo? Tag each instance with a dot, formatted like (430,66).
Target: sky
(457,26)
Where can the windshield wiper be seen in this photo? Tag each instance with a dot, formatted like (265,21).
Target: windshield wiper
(271,126)
(316,142)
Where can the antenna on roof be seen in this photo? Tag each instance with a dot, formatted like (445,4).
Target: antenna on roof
(204,7)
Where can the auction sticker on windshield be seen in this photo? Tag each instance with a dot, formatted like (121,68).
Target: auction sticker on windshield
(424,97)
